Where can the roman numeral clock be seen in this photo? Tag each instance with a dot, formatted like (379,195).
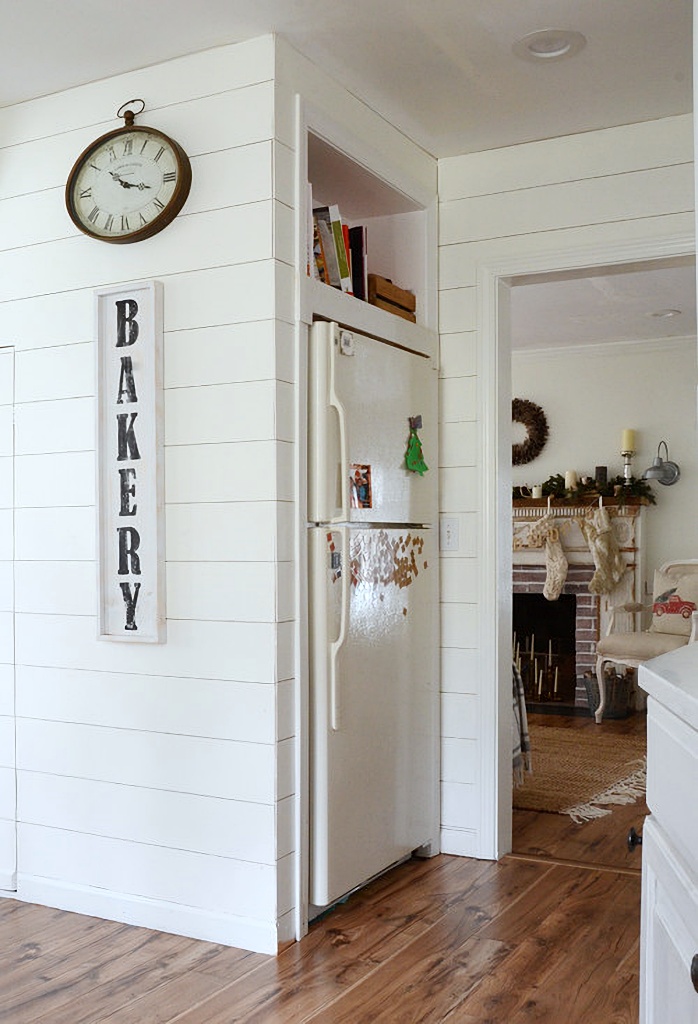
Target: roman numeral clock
(128,184)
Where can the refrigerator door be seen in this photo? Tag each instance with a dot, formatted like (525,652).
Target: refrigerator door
(362,395)
(373,702)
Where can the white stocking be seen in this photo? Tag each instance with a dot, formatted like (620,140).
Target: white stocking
(555,565)
(610,567)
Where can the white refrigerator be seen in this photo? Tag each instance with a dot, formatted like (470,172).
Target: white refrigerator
(373,594)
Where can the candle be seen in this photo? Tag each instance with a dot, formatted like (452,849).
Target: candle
(556,679)
(570,480)
(627,443)
(550,652)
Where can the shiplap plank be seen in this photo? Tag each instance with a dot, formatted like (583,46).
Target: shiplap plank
(458,398)
(7,638)
(459,624)
(285,827)
(169,85)
(460,580)
(6,429)
(229,472)
(457,310)
(459,444)
(633,147)
(7,578)
(7,549)
(222,295)
(225,412)
(209,708)
(226,532)
(55,373)
(460,805)
(222,591)
(43,321)
(7,483)
(228,769)
(7,741)
(218,884)
(199,824)
(459,263)
(229,354)
(67,425)
(459,489)
(56,588)
(244,651)
(460,670)
(63,479)
(656,192)
(460,715)
(8,801)
(460,760)
(62,534)
(35,218)
(7,690)
(236,235)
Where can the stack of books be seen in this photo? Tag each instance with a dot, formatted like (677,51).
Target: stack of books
(338,256)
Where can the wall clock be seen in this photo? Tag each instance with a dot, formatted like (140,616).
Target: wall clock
(128,184)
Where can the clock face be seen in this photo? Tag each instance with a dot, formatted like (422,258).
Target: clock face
(128,185)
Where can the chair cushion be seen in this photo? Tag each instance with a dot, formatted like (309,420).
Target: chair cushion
(639,646)
(675,599)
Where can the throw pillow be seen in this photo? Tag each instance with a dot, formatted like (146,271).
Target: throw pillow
(674,601)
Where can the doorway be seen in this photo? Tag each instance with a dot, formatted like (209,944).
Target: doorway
(498,285)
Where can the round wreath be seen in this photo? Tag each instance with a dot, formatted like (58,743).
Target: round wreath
(533,419)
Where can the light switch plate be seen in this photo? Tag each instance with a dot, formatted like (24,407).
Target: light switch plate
(448,535)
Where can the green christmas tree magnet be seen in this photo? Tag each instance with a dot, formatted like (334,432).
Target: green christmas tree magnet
(414,459)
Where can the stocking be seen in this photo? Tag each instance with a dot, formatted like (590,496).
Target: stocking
(555,565)
(610,567)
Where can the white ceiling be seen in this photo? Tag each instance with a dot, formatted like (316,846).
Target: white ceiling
(441,70)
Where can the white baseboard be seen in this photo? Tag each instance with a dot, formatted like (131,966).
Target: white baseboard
(8,883)
(461,842)
(257,936)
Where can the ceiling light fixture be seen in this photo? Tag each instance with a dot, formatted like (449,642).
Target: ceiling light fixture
(549,44)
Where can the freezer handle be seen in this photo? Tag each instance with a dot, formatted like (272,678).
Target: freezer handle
(343,450)
(335,648)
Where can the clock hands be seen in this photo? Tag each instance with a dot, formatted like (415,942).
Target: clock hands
(129,184)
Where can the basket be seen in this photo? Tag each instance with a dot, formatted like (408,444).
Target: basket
(618,690)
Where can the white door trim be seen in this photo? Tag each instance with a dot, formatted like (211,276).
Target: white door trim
(494,362)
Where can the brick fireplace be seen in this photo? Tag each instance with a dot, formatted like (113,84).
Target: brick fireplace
(529,579)
(592,612)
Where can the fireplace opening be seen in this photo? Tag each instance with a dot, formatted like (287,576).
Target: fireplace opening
(545,646)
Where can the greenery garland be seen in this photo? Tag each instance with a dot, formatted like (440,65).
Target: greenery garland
(533,419)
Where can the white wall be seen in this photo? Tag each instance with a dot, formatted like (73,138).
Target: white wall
(590,396)
(155,782)
(598,193)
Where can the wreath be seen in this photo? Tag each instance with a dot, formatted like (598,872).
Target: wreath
(533,419)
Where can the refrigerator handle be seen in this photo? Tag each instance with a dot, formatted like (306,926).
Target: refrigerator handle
(336,647)
(343,450)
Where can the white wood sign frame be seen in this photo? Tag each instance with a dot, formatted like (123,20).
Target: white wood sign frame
(130,464)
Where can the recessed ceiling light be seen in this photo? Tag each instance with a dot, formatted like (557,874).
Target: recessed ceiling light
(665,314)
(549,44)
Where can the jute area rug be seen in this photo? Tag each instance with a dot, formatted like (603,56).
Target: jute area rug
(582,773)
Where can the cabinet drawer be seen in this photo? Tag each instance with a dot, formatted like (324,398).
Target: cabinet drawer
(672,779)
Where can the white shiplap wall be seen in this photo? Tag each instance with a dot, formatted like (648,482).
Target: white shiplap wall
(598,192)
(155,783)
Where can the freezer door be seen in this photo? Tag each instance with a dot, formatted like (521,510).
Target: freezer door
(362,395)
(373,702)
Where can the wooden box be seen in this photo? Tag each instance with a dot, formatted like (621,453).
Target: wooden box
(388,296)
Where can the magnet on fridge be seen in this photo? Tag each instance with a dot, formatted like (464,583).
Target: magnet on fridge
(414,459)
(360,487)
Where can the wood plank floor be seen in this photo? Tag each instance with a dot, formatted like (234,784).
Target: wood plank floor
(545,935)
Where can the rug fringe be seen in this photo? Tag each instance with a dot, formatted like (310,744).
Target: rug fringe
(625,791)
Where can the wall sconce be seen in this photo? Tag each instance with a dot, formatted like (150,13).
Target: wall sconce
(663,471)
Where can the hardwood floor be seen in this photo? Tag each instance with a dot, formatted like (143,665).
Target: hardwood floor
(545,935)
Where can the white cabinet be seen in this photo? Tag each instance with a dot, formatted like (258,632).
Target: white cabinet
(669,943)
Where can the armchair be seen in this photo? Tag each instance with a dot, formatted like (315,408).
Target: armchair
(674,624)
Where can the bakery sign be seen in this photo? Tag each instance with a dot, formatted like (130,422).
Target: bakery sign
(130,463)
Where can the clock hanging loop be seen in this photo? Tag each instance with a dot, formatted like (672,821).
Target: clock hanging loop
(128,114)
